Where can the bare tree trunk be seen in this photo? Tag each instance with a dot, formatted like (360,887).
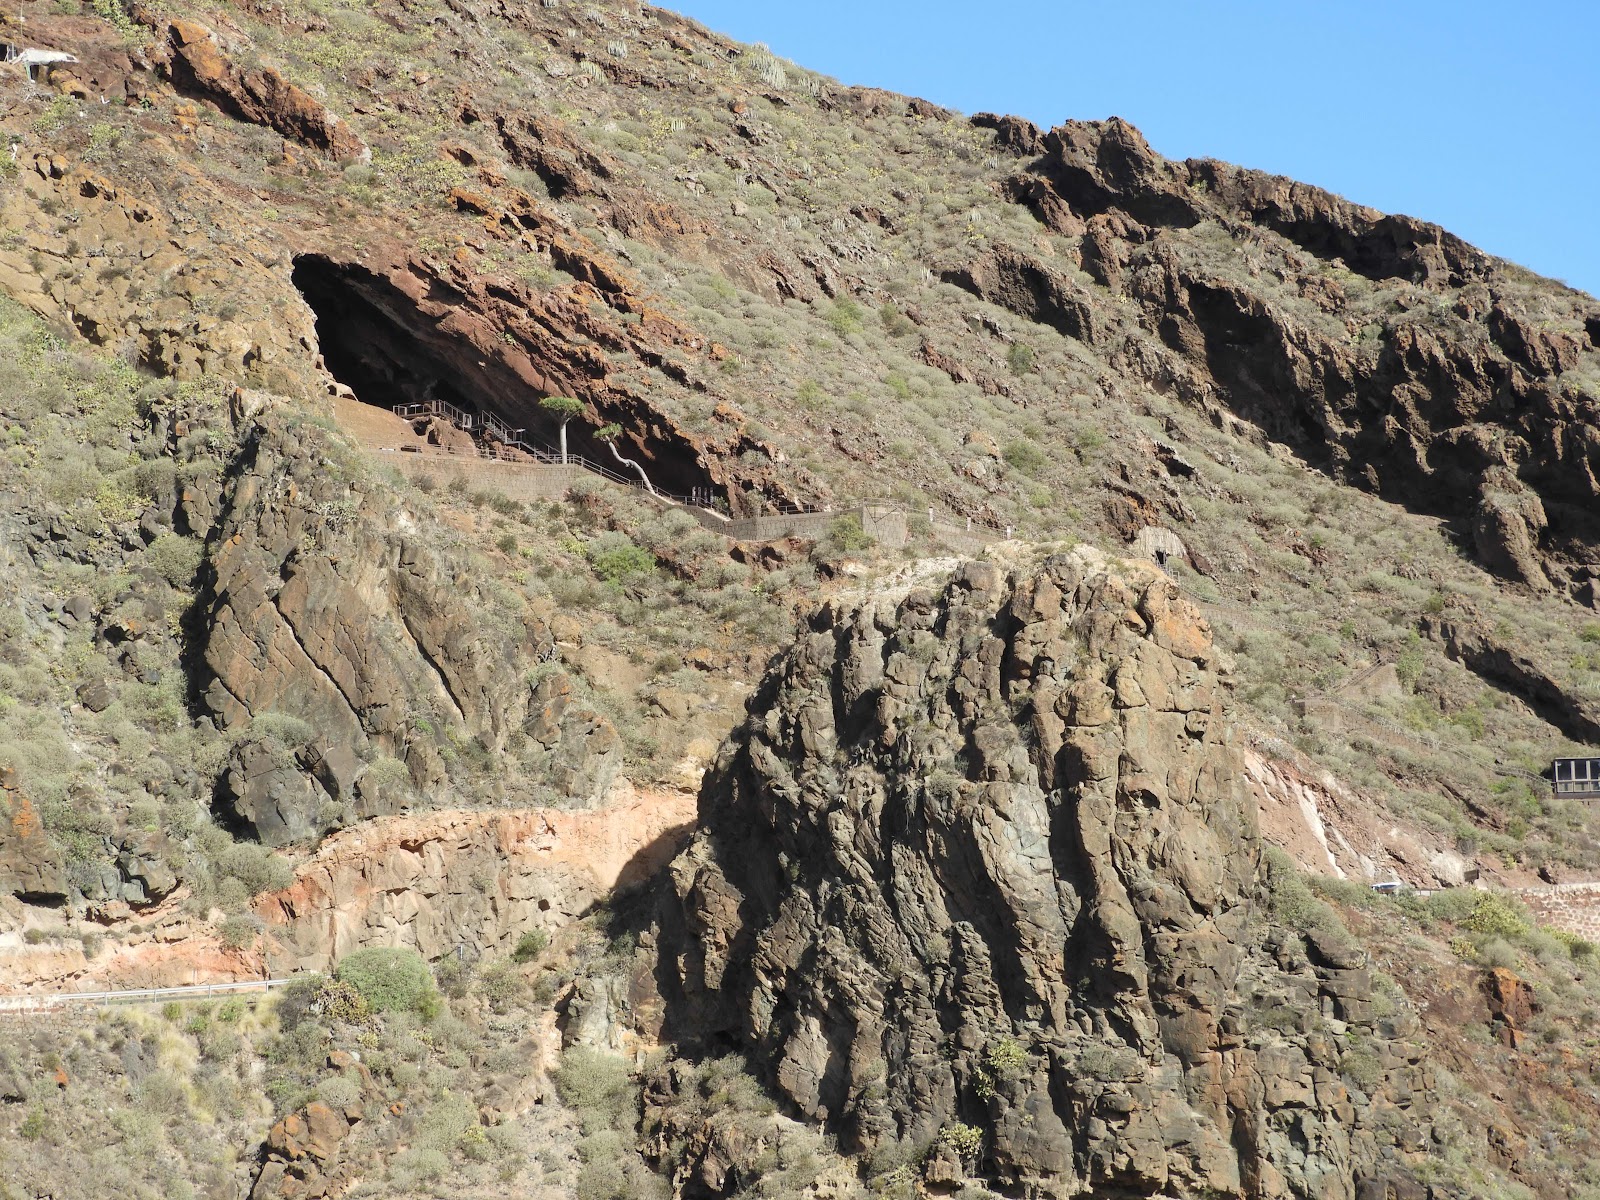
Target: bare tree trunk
(628,462)
(563,443)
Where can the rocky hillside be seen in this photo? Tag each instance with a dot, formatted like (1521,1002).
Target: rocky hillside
(996,877)
(981,876)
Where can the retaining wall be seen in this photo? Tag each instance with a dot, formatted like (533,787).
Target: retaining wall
(516,481)
(1572,907)
(887,525)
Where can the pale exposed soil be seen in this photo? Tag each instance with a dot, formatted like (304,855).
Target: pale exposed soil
(417,879)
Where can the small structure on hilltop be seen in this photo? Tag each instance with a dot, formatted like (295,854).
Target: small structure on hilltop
(37,63)
(1159,545)
(1577,778)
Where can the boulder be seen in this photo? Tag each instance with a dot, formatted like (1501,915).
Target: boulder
(265,790)
(1512,1005)
(96,695)
(30,866)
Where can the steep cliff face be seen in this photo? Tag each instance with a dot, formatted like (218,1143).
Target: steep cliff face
(1381,346)
(329,603)
(985,857)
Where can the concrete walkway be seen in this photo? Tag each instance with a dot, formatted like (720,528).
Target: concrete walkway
(392,440)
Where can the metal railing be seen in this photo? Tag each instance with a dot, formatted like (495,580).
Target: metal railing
(1578,789)
(36,1001)
(508,437)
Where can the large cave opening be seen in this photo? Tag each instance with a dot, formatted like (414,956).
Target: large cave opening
(390,348)
(373,346)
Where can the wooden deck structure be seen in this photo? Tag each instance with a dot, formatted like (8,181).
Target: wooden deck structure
(1577,778)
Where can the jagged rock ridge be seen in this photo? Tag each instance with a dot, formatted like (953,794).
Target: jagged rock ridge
(1461,401)
(984,856)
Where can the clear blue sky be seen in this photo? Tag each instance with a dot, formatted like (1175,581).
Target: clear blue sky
(1484,117)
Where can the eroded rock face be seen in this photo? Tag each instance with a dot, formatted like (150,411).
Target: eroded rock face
(322,611)
(324,606)
(1460,405)
(463,880)
(985,856)
(63,211)
(197,65)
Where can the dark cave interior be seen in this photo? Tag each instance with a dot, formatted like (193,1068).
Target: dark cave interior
(378,343)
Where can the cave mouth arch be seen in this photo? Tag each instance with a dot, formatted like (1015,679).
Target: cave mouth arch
(370,346)
(389,349)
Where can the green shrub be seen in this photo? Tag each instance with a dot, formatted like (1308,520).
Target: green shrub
(423,1164)
(35,1124)
(1362,1068)
(290,732)
(845,535)
(844,316)
(391,979)
(1006,1059)
(334,1000)
(257,868)
(596,1086)
(1020,359)
(1497,916)
(616,559)
(1025,456)
(965,1140)
(530,945)
(895,323)
(1410,663)
(501,984)
(175,558)
(339,1091)
(451,1118)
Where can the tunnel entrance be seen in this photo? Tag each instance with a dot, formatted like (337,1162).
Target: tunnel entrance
(390,349)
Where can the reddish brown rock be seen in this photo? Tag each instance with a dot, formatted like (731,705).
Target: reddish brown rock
(29,863)
(1512,1005)
(263,97)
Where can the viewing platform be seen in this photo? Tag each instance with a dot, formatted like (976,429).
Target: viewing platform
(1577,778)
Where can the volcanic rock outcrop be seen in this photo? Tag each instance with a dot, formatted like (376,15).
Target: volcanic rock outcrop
(1458,396)
(198,67)
(984,857)
(324,605)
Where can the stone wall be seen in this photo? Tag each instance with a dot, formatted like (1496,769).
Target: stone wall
(1570,907)
(886,524)
(516,481)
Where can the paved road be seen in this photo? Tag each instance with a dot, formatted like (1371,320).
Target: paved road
(37,1001)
